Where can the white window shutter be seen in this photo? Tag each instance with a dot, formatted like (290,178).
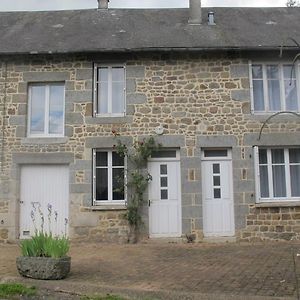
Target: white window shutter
(94,176)
(251,87)
(256,174)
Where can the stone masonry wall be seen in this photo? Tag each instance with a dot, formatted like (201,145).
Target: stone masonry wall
(201,100)
(272,223)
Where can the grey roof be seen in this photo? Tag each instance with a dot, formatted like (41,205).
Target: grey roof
(145,29)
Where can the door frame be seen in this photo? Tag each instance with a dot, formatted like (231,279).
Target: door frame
(227,158)
(169,159)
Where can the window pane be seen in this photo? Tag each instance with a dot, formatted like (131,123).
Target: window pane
(215,153)
(56,109)
(164,181)
(118,183)
(118,74)
(277,156)
(291,97)
(101,184)
(274,95)
(272,72)
(217,181)
(279,187)
(258,95)
(103,97)
(163,169)
(263,159)
(287,72)
(117,97)
(117,160)
(216,168)
(264,182)
(217,193)
(101,159)
(164,153)
(294,156)
(257,71)
(164,194)
(295,180)
(37,118)
(102,74)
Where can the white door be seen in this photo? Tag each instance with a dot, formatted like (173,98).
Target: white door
(218,212)
(164,199)
(44,199)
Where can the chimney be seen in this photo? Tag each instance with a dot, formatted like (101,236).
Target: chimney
(103,4)
(195,12)
(211,18)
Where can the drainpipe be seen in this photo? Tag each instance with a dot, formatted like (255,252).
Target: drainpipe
(103,4)
(195,12)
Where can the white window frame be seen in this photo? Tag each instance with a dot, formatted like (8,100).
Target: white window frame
(287,165)
(109,167)
(109,114)
(46,112)
(281,84)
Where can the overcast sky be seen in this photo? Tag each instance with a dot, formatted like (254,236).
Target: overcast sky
(8,5)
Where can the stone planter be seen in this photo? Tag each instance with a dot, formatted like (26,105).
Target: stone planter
(44,267)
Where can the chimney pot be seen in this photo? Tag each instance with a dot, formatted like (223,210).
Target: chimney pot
(103,4)
(195,12)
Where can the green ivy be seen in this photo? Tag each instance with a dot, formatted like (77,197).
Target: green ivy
(138,178)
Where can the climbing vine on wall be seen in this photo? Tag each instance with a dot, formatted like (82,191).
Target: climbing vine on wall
(138,178)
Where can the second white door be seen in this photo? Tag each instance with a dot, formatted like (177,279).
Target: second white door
(218,212)
(164,199)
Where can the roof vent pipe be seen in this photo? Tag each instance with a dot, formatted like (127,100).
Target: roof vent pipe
(103,4)
(211,18)
(195,12)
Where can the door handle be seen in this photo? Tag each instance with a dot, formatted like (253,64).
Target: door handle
(149,203)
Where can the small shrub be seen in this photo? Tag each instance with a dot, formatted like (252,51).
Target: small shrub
(13,289)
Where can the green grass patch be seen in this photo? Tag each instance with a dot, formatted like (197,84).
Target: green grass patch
(16,289)
(98,297)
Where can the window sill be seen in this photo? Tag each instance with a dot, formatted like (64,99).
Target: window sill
(108,120)
(278,204)
(107,207)
(44,140)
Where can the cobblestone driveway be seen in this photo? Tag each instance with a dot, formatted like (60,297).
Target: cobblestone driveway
(257,270)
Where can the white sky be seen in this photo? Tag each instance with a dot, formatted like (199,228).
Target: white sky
(9,5)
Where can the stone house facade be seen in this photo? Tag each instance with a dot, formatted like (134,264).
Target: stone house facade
(219,174)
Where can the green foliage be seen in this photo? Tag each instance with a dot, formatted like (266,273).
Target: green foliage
(139,178)
(45,245)
(16,289)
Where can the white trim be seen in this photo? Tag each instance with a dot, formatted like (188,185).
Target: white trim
(214,158)
(265,85)
(46,133)
(109,95)
(257,173)
(109,168)
(269,164)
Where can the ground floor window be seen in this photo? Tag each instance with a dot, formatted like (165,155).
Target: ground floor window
(278,173)
(108,178)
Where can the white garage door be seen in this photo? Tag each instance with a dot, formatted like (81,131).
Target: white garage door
(44,199)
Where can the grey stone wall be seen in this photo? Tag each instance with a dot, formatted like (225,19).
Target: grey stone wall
(201,100)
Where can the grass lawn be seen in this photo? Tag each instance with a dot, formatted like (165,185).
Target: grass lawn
(16,289)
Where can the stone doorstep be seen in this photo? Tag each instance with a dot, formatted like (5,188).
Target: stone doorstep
(171,240)
(220,239)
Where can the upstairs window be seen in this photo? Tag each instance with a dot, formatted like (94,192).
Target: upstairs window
(275,88)
(109,96)
(278,174)
(46,110)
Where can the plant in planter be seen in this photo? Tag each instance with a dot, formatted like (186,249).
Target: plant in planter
(44,256)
